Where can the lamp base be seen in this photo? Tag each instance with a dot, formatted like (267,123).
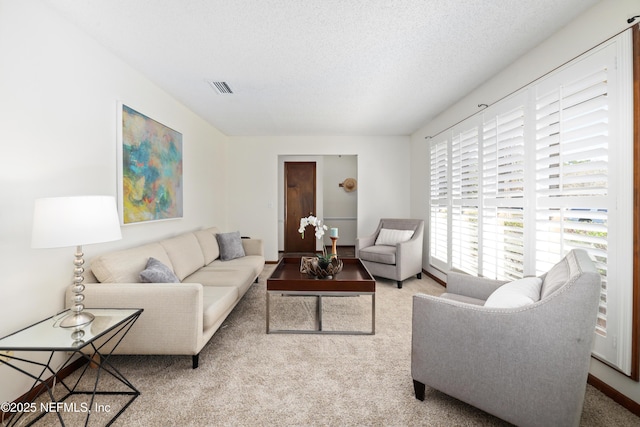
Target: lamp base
(77,317)
(76,320)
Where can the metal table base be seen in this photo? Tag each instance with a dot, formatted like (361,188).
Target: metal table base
(96,356)
(318,320)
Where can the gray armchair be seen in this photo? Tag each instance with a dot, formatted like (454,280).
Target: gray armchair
(527,365)
(396,261)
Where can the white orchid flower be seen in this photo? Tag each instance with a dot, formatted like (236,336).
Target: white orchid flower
(320,228)
(317,224)
(303,224)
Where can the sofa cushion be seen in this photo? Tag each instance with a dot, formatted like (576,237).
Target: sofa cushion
(382,254)
(556,277)
(216,302)
(213,275)
(392,237)
(518,293)
(253,263)
(125,266)
(210,276)
(209,245)
(185,253)
(157,272)
(230,245)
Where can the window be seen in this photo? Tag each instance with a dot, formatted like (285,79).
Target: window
(465,191)
(503,158)
(544,171)
(439,242)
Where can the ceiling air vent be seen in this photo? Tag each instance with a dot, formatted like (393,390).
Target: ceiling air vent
(221,87)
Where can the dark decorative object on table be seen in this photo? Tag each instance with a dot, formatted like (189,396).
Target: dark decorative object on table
(321,267)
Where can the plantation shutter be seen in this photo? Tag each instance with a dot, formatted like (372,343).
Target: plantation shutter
(575,119)
(465,200)
(503,171)
(439,204)
(572,164)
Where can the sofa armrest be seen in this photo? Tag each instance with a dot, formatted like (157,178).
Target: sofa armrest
(177,306)
(471,286)
(253,247)
(409,256)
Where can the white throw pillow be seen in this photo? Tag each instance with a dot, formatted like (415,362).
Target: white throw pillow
(391,237)
(514,294)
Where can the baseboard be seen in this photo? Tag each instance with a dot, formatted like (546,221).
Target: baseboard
(615,395)
(437,279)
(32,394)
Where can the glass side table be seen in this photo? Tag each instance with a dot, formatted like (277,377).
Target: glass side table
(94,342)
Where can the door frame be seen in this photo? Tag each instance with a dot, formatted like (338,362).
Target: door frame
(319,160)
(321,191)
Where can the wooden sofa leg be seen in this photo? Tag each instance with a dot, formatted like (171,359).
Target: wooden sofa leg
(419,388)
(195,360)
(399,284)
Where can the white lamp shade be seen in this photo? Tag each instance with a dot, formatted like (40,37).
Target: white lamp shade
(73,221)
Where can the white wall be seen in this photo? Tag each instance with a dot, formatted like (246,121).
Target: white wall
(598,24)
(58,98)
(340,207)
(383,179)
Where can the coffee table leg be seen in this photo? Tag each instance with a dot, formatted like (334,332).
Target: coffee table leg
(319,314)
(268,297)
(373,314)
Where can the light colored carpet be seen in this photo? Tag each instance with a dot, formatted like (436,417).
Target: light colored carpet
(249,378)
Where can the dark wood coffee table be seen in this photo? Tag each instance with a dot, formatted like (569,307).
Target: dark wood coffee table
(354,279)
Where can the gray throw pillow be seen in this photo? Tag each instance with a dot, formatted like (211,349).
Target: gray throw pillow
(230,245)
(555,278)
(157,272)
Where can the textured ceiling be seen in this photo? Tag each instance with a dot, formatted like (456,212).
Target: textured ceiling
(320,67)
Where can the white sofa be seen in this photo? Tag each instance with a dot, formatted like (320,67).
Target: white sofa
(178,318)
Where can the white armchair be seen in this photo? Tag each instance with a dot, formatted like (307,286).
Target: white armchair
(394,251)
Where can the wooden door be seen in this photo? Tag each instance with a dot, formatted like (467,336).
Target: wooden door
(299,202)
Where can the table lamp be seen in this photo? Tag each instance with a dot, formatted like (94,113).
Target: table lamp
(75,221)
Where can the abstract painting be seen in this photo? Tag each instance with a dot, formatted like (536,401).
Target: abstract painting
(151,165)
